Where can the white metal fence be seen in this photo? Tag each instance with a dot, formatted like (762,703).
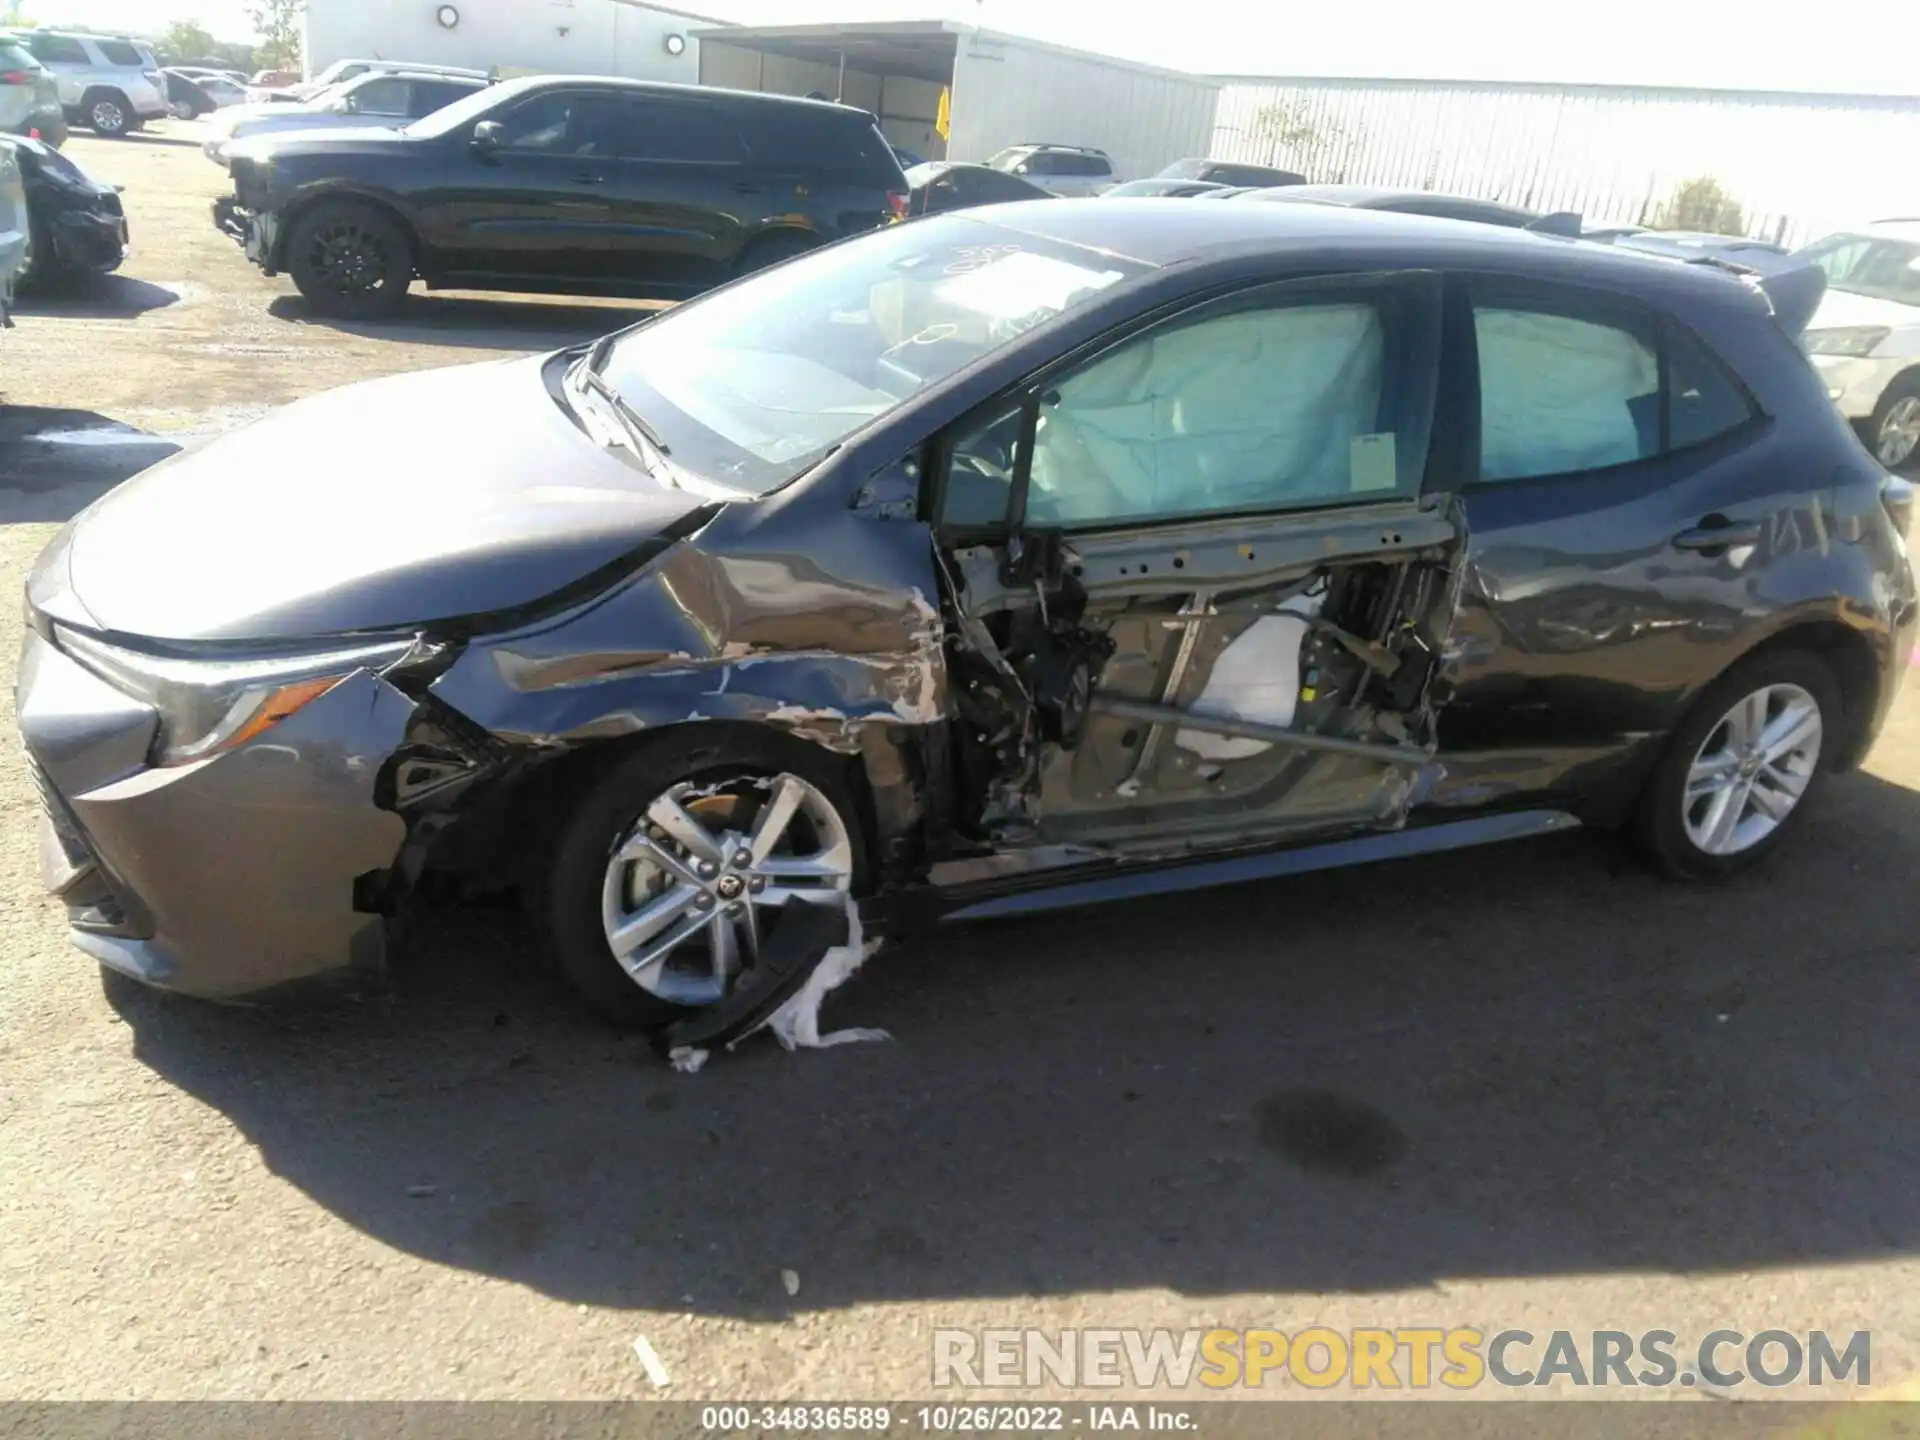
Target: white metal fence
(1799,165)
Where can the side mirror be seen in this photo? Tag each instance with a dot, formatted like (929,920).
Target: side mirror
(488,137)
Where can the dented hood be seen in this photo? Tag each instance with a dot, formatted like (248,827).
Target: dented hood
(428,496)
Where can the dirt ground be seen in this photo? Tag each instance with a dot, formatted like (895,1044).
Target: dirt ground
(1526,1086)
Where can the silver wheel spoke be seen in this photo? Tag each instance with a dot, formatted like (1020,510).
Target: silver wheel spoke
(672,817)
(827,865)
(1746,720)
(650,919)
(1723,817)
(1710,775)
(641,846)
(775,816)
(1772,800)
(684,930)
(723,943)
(750,930)
(1790,730)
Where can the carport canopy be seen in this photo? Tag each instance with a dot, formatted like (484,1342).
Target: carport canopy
(918,49)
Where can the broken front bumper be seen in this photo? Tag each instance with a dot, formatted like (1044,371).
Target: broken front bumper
(242,874)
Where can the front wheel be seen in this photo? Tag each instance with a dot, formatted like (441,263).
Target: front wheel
(351,261)
(678,866)
(1739,770)
(1895,427)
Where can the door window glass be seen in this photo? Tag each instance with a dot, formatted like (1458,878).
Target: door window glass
(653,129)
(118,52)
(1702,399)
(1277,407)
(1561,392)
(570,123)
(58,50)
(385,96)
(429,95)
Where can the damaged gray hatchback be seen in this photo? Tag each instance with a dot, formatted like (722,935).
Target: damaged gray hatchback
(1033,556)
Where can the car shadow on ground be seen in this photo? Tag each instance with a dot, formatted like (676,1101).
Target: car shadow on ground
(96,297)
(1517,1060)
(56,462)
(148,137)
(478,323)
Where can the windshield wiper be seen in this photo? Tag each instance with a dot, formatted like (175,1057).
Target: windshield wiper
(588,377)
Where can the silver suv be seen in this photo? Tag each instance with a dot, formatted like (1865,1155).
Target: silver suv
(109,84)
(1070,170)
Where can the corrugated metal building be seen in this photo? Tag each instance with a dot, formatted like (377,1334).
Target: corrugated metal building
(1800,165)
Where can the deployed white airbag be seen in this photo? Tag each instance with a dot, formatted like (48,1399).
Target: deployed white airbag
(1554,394)
(1257,677)
(1256,408)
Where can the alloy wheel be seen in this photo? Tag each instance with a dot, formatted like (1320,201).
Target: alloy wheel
(108,117)
(1899,432)
(1752,769)
(688,891)
(349,258)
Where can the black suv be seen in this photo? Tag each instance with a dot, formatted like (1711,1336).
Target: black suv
(561,185)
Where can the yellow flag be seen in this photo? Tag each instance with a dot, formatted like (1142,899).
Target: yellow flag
(943,119)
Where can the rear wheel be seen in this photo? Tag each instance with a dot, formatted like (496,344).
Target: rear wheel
(351,261)
(1895,428)
(770,250)
(678,865)
(109,114)
(1739,770)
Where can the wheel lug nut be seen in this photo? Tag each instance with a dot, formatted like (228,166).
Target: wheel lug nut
(757,884)
(703,901)
(708,869)
(742,859)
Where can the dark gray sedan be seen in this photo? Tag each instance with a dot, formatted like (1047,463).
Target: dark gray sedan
(1037,555)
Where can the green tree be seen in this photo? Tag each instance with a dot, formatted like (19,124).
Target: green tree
(1701,204)
(277,22)
(186,40)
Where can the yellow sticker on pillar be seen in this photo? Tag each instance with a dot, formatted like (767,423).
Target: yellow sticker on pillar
(1371,464)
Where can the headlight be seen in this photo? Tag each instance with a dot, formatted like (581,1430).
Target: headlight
(207,706)
(1855,340)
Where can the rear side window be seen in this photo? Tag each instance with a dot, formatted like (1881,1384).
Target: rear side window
(1703,400)
(431,95)
(653,129)
(58,50)
(119,52)
(820,141)
(385,96)
(1075,164)
(1570,384)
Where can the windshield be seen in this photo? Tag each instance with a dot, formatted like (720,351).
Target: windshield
(1007,159)
(449,118)
(757,382)
(1869,265)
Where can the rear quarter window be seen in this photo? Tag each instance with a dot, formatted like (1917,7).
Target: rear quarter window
(119,52)
(827,142)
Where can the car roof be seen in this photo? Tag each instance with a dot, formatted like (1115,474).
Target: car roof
(409,72)
(1896,229)
(527,83)
(1156,233)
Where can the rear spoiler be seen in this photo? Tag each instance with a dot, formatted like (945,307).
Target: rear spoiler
(1795,295)
(1561,222)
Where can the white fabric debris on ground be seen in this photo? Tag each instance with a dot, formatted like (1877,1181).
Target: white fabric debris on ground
(688,1059)
(796,1024)
(650,1362)
(790,1281)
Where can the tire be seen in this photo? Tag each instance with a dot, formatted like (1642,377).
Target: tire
(352,261)
(109,114)
(182,110)
(771,250)
(38,273)
(1678,836)
(580,886)
(1894,431)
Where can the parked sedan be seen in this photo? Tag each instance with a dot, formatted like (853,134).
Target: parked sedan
(884,577)
(938,185)
(79,225)
(1231,172)
(1865,340)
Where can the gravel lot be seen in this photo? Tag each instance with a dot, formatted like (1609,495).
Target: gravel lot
(1582,1097)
